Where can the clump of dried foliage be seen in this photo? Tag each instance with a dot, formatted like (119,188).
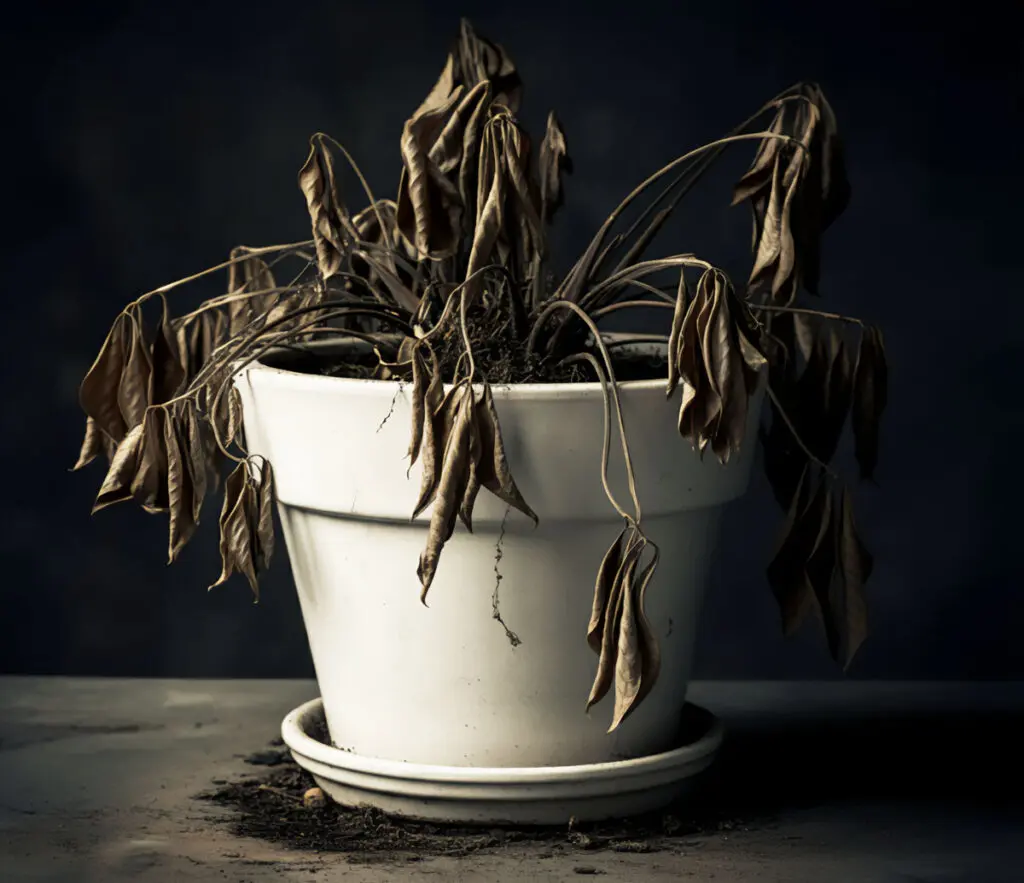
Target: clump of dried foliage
(451,284)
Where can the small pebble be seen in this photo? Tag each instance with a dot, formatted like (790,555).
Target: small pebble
(314,798)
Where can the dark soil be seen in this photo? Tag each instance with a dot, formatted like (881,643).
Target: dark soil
(499,352)
(270,807)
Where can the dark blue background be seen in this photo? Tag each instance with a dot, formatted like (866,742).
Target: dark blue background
(145,141)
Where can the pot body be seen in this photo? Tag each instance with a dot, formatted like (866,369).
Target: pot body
(446,684)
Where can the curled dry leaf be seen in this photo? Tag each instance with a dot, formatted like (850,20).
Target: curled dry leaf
(869,399)
(332,227)
(430,207)
(98,394)
(554,162)
(476,59)
(619,631)
(854,568)
(180,487)
(169,361)
(713,354)
(93,444)
(133,389)
(149,486)
(117,486)
(462,451)
(240,518)
(455,424)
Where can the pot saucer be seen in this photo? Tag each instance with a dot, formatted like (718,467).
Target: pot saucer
(496,795)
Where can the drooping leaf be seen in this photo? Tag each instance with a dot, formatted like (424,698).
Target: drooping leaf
(265,517)
(117,485)
(149,487)
(476,59)
(493,470)
(332,226)
(870,397)
(603,588)
(639,657)
(98,394)
(854,568)
(169,371)
(237,516)
(554,162)
(682,304)
(134,387)
(196,450)
(451,482)
(430,208)
(92,444)
(802,536)
(179,488)
(249,275)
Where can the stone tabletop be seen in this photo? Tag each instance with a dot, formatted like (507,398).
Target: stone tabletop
(840,782)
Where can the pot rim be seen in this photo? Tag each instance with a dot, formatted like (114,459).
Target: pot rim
(284,377)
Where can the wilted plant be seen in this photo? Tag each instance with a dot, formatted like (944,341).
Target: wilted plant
(450,284)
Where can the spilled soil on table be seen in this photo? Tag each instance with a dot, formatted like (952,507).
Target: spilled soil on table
(269,806)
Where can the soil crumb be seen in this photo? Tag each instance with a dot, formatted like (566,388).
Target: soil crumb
(270,807)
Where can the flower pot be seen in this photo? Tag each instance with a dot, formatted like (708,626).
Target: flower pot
(446,684)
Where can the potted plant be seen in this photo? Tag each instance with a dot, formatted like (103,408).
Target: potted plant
(421,359)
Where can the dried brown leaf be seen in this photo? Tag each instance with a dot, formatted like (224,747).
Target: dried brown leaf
(787,573)
(179,488)
(236,534)
(117,485)
(169,372)
(603,588)
(92,444)
(554,162)
(870,397)
(494,471)
(264,528)
(98,394)
(332,227)
(149,487)
(476,58)
(854,569)
(682,304)
(451,484)
(134,388)
(638,660)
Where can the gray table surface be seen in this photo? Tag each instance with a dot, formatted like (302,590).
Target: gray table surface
(855,781)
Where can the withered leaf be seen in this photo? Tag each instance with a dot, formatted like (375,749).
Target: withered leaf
(117,485)
(98,394)
(682,304)
(237,516)
(426,393)
(332,227)
(494,471)
(854,568)
(639,658)
(250,274)
(265,517)
(554,162)
(605,675)
(824,393)
(437,426)
(476,58)
(802,535)
(761,171)
(603,588)
(134,387)
(451,484)
(149,487)
(870,395)
(429,204)
(179,488)
(196,450)
(169,371)
(92,444)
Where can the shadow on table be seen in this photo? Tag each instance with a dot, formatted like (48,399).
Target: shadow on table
(793,764)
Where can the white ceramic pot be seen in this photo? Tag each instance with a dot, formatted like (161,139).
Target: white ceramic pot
(444,684)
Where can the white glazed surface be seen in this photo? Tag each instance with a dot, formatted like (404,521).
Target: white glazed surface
(443,684)
(525,796)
